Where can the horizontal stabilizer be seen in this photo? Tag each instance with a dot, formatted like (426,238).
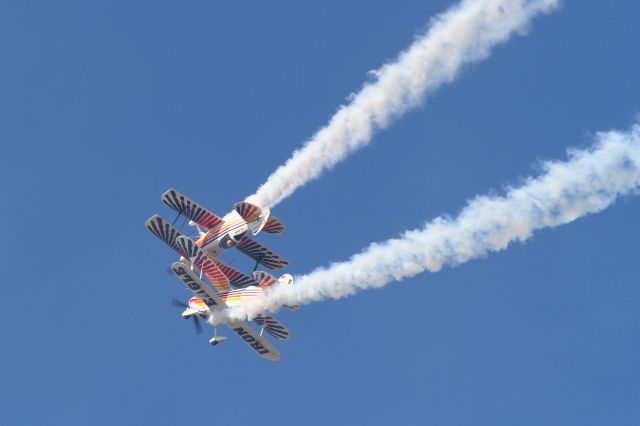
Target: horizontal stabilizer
(261,254)
(274,226)
(194,211)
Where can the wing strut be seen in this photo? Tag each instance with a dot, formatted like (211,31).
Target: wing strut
(176,219)
(184,222)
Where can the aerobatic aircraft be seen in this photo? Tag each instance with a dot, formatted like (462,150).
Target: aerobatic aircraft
(207,303)
(233,286)
(226,232)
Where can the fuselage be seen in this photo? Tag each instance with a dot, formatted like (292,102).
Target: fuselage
(226,234)
(237,297)
(231,298)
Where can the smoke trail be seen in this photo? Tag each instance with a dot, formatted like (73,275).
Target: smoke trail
(588,182)
(463,34)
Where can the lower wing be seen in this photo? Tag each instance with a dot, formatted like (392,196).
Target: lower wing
(272,326)
(261,254)
(260,345)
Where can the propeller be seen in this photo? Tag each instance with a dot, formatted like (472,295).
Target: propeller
(196,324)
(179,303)
(196,319)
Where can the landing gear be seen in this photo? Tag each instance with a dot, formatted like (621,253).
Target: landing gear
(216,339)
(192,267)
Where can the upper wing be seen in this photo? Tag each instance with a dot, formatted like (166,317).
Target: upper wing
(190,209)
(201,261)
(261,254)
(197,286)
(165,231)
(259,344)
(237,278)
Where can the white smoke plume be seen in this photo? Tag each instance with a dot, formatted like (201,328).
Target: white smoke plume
(463,34)
(588,182)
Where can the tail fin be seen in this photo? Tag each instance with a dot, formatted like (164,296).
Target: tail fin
(255,217)
(264,279)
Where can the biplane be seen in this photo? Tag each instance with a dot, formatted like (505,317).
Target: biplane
(207,303)
(223,233)
(200,258)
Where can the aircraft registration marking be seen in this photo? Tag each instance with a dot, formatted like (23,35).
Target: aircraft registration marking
(194,286)
(252,341)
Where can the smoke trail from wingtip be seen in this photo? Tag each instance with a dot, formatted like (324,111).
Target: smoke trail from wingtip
(588,182)
(463,34)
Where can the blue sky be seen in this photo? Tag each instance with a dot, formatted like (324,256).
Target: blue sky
(104,106)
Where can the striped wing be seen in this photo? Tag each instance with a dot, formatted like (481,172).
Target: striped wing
(272,326)
(197,286)
(190,209)
(165,232)
(201,261)
(264,279)
(261,254)
(247,211)
(236,278)
(274,226)
(259,344)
